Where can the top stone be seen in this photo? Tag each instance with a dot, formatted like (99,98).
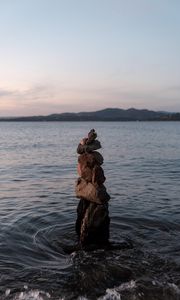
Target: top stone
(89,144)
(92,135)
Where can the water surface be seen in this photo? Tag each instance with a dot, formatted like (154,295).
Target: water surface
(38,212)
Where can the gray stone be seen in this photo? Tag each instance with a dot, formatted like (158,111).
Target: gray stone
(92,135)
(95,145)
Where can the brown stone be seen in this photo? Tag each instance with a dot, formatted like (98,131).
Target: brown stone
(79,169)
(98,157)
(91,159)
(84,171)
(88,191)
(88,168)
(81,149)
(87,160)
(98,177)
(94,224)
(83,141)
(81,210)
(97,215)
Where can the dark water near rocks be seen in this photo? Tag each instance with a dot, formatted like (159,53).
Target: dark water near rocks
(38,212)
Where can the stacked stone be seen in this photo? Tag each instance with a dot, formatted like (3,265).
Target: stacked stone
(92,225)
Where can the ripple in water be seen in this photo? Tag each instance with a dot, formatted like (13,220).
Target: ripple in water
(38,212)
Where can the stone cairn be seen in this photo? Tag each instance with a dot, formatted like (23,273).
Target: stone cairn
(92,224)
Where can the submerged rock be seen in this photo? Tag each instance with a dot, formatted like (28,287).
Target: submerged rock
(94,226)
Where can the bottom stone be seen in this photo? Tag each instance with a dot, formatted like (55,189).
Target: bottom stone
(92,224)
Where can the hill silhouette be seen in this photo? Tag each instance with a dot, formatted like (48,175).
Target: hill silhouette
(108,114)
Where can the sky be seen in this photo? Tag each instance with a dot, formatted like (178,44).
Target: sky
(84,55)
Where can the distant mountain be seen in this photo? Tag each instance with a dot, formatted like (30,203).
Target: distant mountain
(108,114)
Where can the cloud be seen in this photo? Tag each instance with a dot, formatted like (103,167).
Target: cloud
(4,93)
(46,98)
(174,88)
(27,96)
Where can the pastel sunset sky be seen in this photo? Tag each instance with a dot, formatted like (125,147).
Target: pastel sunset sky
(86,55)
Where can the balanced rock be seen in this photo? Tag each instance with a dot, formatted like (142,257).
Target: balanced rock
(92,135)
(87,160)
(91,159)
(95,145)
(98,177)
(95,225)
(89,168)
(92,224)
(98,157)
(85,172)
(86,190)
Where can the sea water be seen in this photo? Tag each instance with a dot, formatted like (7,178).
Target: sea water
(38,211)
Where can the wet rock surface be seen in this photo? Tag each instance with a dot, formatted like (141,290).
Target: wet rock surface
(92,224)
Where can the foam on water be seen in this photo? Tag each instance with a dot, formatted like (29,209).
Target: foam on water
(29,295)
(175,288)
(115,293)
